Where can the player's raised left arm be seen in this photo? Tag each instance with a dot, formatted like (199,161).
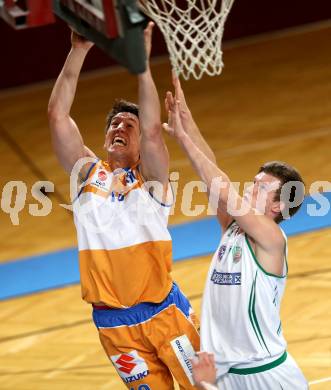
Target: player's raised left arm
(188,121)
(223,194)
(153,151)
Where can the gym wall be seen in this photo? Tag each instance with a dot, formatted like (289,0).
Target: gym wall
(37,54)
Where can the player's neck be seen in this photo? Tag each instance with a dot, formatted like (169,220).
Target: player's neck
(116,163)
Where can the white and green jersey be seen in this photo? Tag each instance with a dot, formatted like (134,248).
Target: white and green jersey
(240,321)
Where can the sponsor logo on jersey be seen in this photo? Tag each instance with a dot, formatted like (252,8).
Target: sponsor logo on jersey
(184,352)
(99,180)
(226,278)
(123,182)
(116,185)
(221,252)
(130,177)
(100,183)
(130,366)
(236,253)
(102,175)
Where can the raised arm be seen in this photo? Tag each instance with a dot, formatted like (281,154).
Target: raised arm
(262,229)
(188,121)
(153,151)
(191,129)
(67,140)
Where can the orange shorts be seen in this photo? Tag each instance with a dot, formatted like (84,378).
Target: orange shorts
(149,341)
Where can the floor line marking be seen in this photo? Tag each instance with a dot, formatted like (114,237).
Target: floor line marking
(315,382)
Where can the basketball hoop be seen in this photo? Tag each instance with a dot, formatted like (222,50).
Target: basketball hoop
(193,31)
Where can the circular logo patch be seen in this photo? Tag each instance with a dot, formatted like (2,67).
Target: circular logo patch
(102,175)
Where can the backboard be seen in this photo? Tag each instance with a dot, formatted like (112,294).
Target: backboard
(116,26)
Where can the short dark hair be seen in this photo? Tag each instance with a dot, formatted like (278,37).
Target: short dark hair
(121,105)
(285,173)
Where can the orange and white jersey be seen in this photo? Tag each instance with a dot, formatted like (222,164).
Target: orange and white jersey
(125,249)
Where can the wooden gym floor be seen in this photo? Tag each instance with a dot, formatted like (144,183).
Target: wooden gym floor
(271,102)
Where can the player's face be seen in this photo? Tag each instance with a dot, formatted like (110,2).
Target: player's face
(261,194)
(123,136)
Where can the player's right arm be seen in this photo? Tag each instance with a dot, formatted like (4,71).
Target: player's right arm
(193,131)
(262,229)
(66,138)
(189,124)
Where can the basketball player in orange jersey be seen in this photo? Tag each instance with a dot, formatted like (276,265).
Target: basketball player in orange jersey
(145,323)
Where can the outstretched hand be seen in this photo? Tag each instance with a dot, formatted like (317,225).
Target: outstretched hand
(204,370)
(80,42)
(174,127)
(179,93)
(184,112)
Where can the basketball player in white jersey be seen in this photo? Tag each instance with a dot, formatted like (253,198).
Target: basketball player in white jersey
(240,320)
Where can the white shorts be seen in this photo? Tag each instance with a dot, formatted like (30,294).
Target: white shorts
(286,376)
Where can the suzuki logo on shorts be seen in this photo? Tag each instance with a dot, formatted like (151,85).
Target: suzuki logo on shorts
(124,365)
(130,366)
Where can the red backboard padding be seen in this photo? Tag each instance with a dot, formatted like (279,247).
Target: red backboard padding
(27,13)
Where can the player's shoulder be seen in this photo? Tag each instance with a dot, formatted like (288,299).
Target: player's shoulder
(88,166)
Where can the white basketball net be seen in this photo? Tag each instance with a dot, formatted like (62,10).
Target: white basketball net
(193,30)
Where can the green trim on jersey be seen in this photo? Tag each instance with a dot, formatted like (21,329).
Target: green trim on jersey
(230,224)
(260,266)
(252,316)
(255,370)
(250,309)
